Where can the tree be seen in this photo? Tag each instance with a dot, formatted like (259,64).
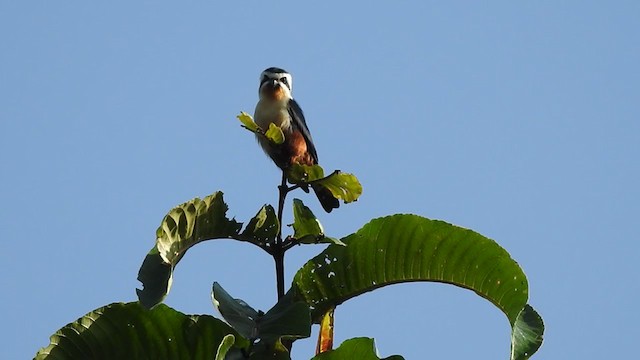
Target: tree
(386,251)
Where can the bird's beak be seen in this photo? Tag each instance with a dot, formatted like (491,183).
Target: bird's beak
(273,90)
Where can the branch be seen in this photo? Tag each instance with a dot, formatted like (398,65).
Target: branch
(278,250)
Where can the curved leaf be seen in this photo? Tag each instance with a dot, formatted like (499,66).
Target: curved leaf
(184,226)
(356,348)
(526,337)
(192,222)
(407,248)
(224,347)
(128,331)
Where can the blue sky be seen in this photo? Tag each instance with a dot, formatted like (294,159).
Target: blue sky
(519,121)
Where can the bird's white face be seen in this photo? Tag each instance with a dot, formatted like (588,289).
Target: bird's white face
(275,85)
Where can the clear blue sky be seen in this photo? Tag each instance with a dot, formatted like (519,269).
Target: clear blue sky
(520,121)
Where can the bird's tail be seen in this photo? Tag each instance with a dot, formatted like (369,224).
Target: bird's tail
(326,198)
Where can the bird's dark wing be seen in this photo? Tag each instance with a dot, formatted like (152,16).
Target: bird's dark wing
(298,122)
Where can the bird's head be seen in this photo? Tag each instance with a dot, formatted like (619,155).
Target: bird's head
(275,84)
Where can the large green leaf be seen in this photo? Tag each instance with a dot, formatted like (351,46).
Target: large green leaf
(129,331)
(184,226)
(356,348)
(407,248)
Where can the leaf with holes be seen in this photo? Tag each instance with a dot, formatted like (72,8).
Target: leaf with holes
(408,248)
(183,227)
(262,228)
(303,174)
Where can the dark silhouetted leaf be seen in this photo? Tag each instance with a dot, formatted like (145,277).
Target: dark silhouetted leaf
(242,317)
(129,331)
(263,228)
(287,319)
(526,337)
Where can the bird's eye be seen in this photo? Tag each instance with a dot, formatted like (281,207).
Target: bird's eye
(284,80)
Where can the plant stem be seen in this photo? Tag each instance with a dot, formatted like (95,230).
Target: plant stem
(278,250)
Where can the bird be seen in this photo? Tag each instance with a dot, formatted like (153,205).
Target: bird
(276,105)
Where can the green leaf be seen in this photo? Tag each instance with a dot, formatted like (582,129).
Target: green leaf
(407,248)
(332,240)
(156,277)
(274,134)
(287,319)
(224,347)
(128,331)
(248,123)
(302,174)
(356,348)
(262,228)
(184,226)
(527,334)
(306,226)
(192,222)
(236,312)
(265,352)
(342,186)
